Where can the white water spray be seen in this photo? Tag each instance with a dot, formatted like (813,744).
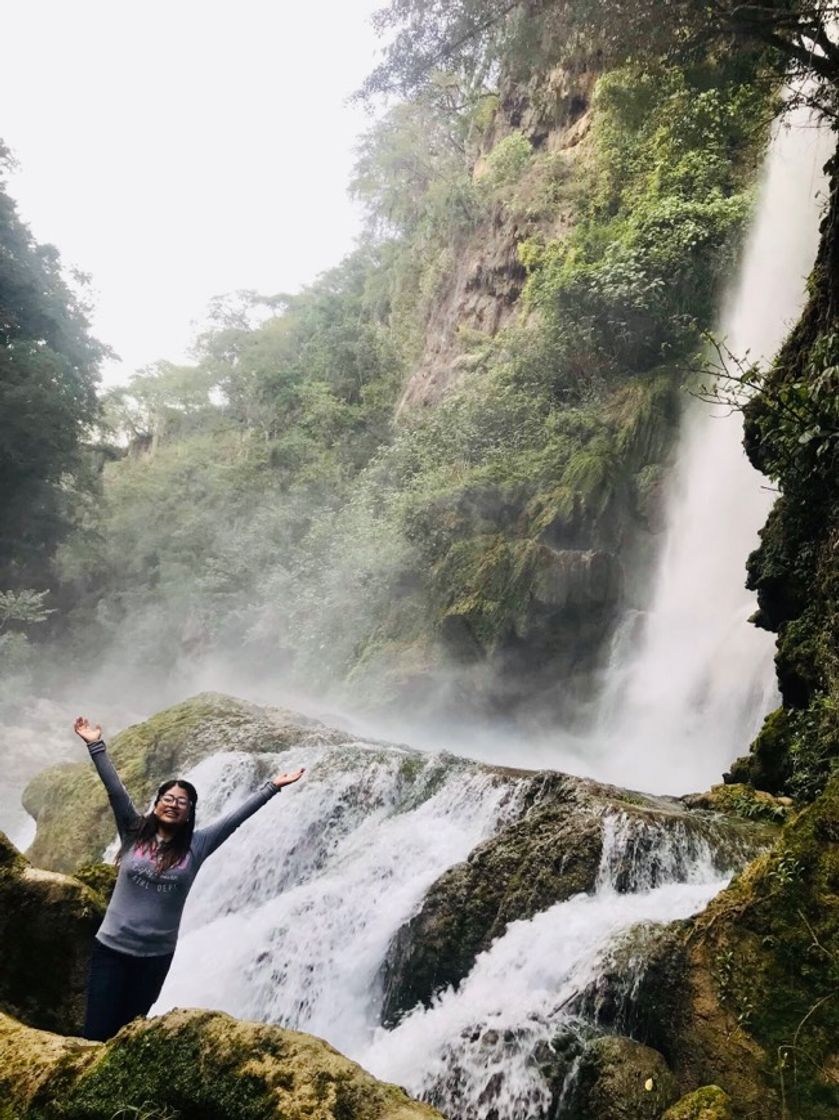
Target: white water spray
(680,708)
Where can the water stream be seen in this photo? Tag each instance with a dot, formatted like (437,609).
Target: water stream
(690,682)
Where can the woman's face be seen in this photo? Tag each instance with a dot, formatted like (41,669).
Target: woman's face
(174,806)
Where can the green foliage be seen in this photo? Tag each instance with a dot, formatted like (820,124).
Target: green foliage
(658,231)
(26,607)
(268,500)
(22,608)
(48,375)
(473,37)
(507,161)
(813,754)
(413,171)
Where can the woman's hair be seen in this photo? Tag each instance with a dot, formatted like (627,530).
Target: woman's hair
(144,833)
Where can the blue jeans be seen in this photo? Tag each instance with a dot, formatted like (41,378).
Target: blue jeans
(120,988)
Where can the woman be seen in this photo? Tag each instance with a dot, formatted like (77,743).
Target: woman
(160,855)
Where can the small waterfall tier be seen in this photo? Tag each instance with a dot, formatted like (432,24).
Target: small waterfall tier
(436,919)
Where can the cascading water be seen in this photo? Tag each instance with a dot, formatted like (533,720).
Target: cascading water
(684,701)
(293,922)
(488,1043)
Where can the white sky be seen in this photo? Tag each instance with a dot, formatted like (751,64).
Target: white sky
(178,149)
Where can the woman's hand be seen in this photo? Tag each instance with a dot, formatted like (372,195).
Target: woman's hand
(281,780)
(85,731)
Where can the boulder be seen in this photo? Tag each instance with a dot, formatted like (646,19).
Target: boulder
(74,821)
(193,1065)
(741,799)
(619,1079)
(47,925)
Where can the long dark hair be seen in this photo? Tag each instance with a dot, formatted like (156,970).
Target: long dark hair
(144,832)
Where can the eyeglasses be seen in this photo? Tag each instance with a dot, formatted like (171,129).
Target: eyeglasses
(180,802)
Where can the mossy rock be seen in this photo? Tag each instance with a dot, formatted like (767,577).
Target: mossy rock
(620,1079)
(742,800)
(707,1103)
(549,855)
(768,764)
(47,925)
(743,995)
(74,820)
(195,1065)
(100,877)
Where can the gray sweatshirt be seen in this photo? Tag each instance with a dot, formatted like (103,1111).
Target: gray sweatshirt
(145,910)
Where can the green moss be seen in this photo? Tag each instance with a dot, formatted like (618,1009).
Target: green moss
(12,862)
(44,918)
(620,1079)
(707,1103)
(742,800)
(100,877)
(191,1065)
(773,950)
(169,1070)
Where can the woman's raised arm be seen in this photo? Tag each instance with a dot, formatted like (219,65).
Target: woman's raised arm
(125,812)
(208,839)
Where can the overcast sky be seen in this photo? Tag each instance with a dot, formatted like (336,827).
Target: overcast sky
(177,150)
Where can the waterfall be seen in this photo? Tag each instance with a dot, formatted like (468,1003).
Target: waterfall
(293,921)
(690,683)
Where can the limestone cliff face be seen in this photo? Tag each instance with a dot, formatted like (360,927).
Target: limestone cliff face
(480,290)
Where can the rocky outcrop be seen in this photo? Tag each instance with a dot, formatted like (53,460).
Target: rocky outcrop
(618,1079)
(555,849)
(74,820)
(47,924)
(582,578)
(482,281)
(194,1065)
(743,996)
(792,436)
(707,1103)
(742,800)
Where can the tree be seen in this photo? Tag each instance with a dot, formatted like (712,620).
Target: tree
(48,376)
(472,36)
